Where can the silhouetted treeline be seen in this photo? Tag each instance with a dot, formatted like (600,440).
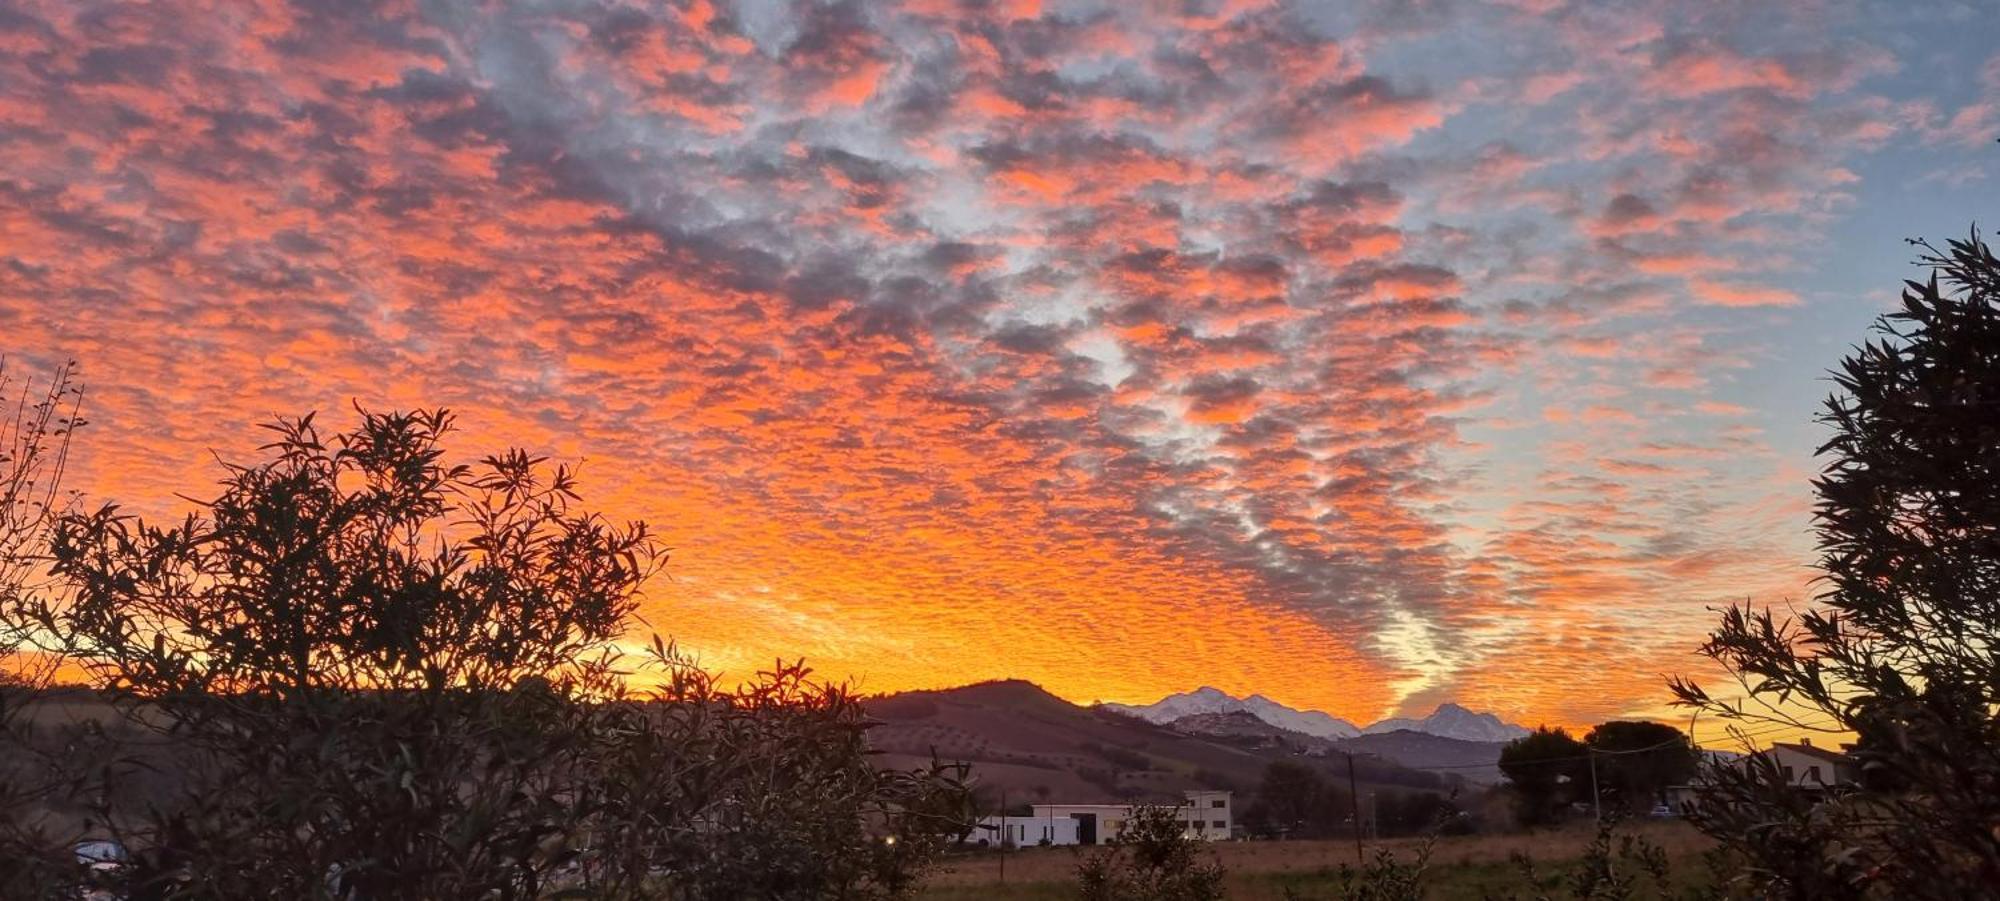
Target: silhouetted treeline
(364,671)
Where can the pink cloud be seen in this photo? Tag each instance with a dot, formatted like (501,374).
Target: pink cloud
(1729,294)
(1175,314)
(1706,68)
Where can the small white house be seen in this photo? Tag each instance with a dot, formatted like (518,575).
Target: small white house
(1208,815)
(1804,766)
(1812,768)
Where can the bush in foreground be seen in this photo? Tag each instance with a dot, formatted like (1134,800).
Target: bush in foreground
(1152,859)
(370,673)
(37,418)
(1903,646)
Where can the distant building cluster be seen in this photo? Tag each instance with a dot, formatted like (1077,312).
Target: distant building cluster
(1206,815)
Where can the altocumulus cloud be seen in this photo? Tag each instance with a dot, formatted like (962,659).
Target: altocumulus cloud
(1120,346)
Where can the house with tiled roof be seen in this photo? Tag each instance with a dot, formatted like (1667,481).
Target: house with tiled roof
(1803,765)
(1809,767)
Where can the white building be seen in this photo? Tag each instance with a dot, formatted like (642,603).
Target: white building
(1207,814)
(1812,768)
(1803,766)
(1025,831)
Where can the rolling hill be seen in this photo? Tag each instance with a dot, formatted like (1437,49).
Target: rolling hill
(1474,761)
(1035,746)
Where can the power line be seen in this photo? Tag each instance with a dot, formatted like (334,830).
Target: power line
(1772,728)
(1778,727)
(1570,759)
(1610,752)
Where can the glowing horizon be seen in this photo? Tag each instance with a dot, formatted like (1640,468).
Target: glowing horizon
(1363,356)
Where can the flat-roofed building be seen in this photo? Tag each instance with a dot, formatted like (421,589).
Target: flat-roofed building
(1207,815)
(1025,831)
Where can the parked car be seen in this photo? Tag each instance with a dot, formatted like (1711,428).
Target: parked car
(101,860)
(1663,811)
(101,854)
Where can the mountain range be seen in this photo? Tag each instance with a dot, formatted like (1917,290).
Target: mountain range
(1028,745)
(1447,721)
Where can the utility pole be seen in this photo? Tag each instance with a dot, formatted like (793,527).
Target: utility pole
(1354,806)
(1003,836)
(1596,803)
(1596,800)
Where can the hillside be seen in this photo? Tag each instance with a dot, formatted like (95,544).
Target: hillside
(1474,761)
(1034,746)
(1242,728)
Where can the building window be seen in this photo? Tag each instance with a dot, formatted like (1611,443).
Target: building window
(1790,776)
(1812,773)
(1220,824)
(1218,803)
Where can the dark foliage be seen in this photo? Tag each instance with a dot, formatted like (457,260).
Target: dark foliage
(1106,780)
(1385,877)
(1296,801)
(376,674)
(1125,758)
(1636,761)
(1545,768)
(1613,867)
(36,771)
(1152,859)
(1419,813)
(1214,779)
(1901,647)
(35,427)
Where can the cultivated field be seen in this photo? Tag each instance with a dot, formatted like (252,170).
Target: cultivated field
(1467,867)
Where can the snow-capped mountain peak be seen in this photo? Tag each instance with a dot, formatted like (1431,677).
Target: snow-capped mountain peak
(1449,720)
(1213,700)
(1453,721)
(1187,703)
(1310,722)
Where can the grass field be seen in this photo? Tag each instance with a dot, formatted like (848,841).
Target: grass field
(1468,867)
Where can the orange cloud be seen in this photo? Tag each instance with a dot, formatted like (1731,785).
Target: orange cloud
(957,340)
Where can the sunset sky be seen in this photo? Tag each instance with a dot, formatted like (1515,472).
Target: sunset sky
(1364,355)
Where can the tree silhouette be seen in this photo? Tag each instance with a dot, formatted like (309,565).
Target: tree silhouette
(1152,859)
(1636,761)
(1543,768)
(1295,800)
(1901,647)
(35,428)
(36,771)
(372,673)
